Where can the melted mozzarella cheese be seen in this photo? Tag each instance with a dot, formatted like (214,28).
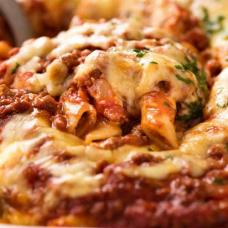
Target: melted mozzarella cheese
(99,35)
(79,171)
(38,47)
(165,70)
(131,77)
(52,80)
(29,139)
(123,74)
(77,176)
(16,155)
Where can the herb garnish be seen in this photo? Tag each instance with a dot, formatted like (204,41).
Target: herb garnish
(191,65)
(179,67)
(185,80)
(202,80)
(14,69)
(153,62)
(139,52)
(195,110)
(212,26)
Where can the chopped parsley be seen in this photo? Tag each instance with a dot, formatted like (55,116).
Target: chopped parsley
(139,52)
(185,80)
(212,26)
(191,65)
(195,110)
(153,62)
(202,80)
(179,67)
(219,181)
(14,69)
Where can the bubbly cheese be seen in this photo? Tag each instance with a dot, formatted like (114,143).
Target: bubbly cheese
(77,177)
(28,140)
(15,150)
(16,153)
(99,35)
(131,77)
(40,145)
(123,74)
(133,73)
(38,47)
(54,79)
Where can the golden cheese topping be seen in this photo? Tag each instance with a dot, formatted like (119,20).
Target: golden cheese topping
(95,92)
(76,177)
(133,73)
(39,144)
(34,52)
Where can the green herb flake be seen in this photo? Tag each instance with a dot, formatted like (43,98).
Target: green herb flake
(139,53)
(179,67)
(153,62)
(15,68)
(185,80)
(202,79)
(191,65)
(219,181)
(195,110)
(212,26)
